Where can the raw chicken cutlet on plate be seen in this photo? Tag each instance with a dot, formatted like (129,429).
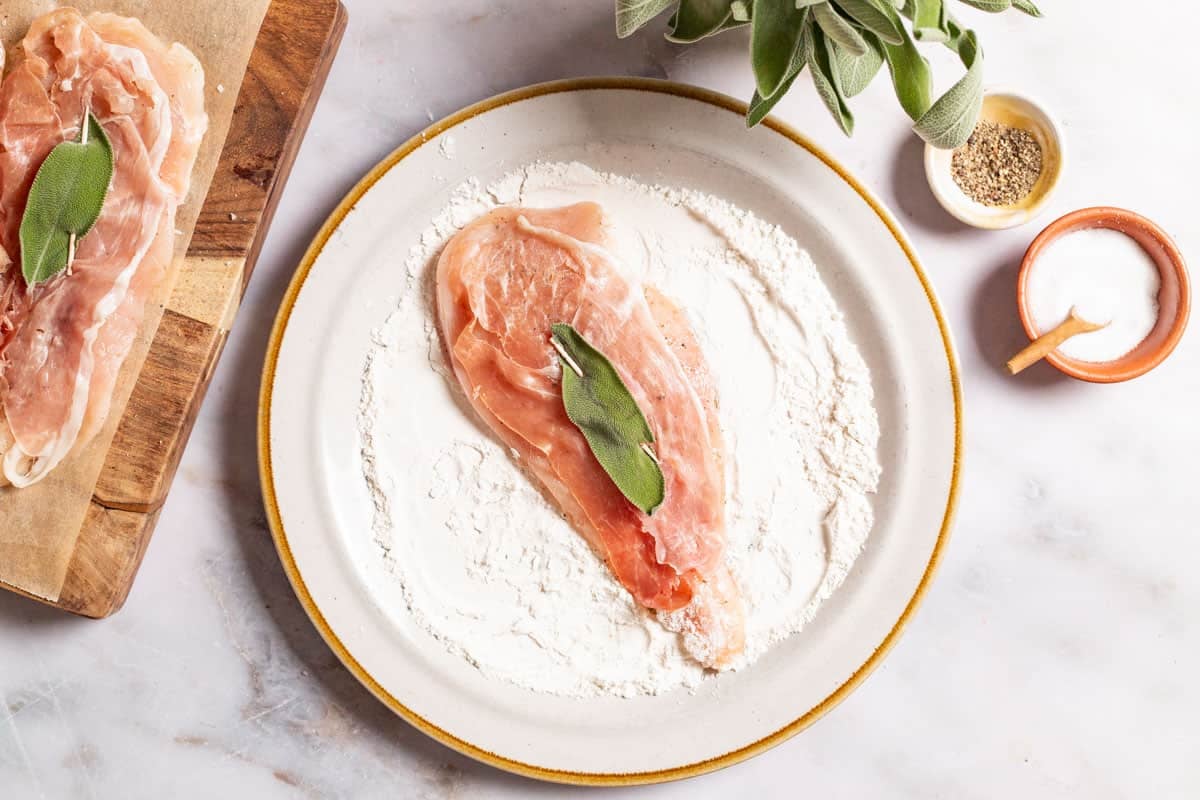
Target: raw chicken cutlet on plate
(503,281)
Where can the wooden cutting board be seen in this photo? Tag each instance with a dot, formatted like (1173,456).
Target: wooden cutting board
(284,78)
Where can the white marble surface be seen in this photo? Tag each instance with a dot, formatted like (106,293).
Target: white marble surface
(1057,654)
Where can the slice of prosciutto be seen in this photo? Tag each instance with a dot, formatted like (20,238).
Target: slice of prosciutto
(502,282)
(62,342)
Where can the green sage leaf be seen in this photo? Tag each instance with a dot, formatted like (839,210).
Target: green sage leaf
(950,120)
(990,6)
(65,200)
(911,76)
(600,405)
(775,31)
(928,20)
(855,73)
(761,106)
(802,4)
(1027,7)
(696,19)
(838,30)
(872,16)
(825,80)
(633,14)
(954,33)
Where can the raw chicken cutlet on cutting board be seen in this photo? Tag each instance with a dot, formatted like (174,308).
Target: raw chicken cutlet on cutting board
(75,539)
(62,341)
(503,281)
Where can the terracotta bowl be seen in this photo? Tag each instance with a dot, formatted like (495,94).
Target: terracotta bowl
(1174,295)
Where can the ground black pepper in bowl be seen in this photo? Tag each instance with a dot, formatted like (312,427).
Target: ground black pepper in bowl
(999,165)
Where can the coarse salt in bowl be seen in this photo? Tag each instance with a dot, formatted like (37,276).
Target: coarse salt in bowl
(1174,293)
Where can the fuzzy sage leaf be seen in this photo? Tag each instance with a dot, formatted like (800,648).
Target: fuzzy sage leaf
(838,30)
(855,73)
(761,106)
(693,21)
(600,405)
(827,81)
(911,76)
(633,14)
(775,30)
(65,201)
(949,121)
(990,6)
(928,20)
(874,18)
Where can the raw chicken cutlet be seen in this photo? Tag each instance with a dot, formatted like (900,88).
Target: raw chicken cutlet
(62,342)
(502,282)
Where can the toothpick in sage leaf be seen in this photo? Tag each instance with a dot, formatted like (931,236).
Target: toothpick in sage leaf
(65,201)
(600,405)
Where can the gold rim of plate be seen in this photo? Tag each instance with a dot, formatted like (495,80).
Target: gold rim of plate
(280,535)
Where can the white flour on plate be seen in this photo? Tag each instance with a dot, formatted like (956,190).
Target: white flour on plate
(488,566)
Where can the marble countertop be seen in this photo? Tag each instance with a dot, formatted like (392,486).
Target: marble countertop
(1057,653)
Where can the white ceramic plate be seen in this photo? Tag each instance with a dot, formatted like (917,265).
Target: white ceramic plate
(320,511)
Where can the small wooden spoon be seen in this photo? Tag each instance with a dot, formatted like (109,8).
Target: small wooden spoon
(1040,347)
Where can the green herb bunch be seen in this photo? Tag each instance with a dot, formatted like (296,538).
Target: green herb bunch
(845,43)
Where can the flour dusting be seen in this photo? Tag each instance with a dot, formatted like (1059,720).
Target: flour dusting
(486,563)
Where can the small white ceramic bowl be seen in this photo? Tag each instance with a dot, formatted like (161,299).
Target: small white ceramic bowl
(1006,107)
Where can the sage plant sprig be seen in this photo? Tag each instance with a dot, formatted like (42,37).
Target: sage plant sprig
(844,43)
